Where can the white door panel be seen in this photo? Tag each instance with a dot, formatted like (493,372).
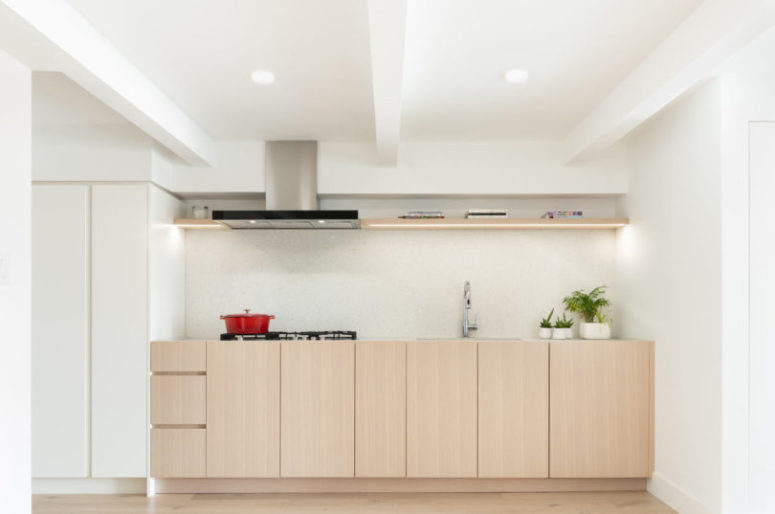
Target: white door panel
(60,330)
(762,317)
(119,329)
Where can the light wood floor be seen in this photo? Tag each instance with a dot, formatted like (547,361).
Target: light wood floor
(382,503)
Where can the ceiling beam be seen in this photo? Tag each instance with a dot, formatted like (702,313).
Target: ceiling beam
(387,29)
(715,31)
(50,35)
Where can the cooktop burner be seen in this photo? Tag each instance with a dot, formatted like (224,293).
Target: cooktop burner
(328,335)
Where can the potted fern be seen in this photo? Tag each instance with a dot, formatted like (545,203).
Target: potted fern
(563,328)
(545,326)
(596,324)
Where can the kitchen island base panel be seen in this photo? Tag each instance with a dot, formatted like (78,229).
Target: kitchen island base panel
(395,485)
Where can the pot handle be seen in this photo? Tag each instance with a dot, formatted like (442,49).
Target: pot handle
(247,311)
(271,317)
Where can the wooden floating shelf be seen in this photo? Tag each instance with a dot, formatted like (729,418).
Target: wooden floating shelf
(453,224)
(495,224)
(194,224)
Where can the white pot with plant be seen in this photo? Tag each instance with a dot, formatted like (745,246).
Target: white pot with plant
(563,328)
(545,326)
(596,324)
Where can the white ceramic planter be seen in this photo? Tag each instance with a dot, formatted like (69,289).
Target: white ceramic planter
(562,333)
(595,331)
(544,333)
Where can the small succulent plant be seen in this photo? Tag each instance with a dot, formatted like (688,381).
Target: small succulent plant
(547,321)
(563,322)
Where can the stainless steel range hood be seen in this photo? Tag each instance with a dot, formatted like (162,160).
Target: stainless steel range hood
(291,193)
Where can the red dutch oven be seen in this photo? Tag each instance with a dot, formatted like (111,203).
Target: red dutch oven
(247,323)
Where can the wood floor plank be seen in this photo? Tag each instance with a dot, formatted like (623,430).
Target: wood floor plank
(629,502)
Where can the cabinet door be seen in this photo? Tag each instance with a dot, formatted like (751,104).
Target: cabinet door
(600,415)
(441,409)
(513,409)
(119,328)
(380,409)
(318,409)
(60,330)
(243,409)
(178,452)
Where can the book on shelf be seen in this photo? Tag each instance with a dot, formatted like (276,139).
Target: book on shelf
(486,213)
(420,215)
(559,215)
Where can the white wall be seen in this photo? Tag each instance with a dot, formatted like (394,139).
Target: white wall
(166,266)
(15,170)
(369,207)
(739,106)
(390,283)
(78,138)
(457,168)
(762,321)
(424,168)
(748,81)
(669,289)
(238,167)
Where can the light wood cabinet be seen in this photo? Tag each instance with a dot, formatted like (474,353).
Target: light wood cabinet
(178,452)
(243,409)
(380,409)
(178,356)
(601,416)
(391,409)
(318,409)
(441,409)
(178,400)
(513,409)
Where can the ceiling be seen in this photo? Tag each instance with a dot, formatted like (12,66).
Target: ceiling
(201,52)
(575,51)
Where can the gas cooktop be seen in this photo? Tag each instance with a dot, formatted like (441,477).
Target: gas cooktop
(328,335)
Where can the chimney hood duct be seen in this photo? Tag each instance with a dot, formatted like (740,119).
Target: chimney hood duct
(291,193)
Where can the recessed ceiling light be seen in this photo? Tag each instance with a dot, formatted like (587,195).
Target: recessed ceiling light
(516,76)
(262,76)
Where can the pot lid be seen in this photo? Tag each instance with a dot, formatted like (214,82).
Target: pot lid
(247,314)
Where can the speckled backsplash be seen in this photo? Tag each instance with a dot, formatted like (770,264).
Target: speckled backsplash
(402,284)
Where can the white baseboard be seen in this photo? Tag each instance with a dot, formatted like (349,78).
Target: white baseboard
(675,497)
(88,485)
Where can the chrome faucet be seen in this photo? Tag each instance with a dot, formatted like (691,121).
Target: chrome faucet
(467,325)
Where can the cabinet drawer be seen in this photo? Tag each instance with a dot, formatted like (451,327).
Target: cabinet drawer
(178,356)
(178,400)
(178,452)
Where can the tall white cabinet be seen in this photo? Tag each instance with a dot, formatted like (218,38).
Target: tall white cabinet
(60,330)
(96,248)
(119,329)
